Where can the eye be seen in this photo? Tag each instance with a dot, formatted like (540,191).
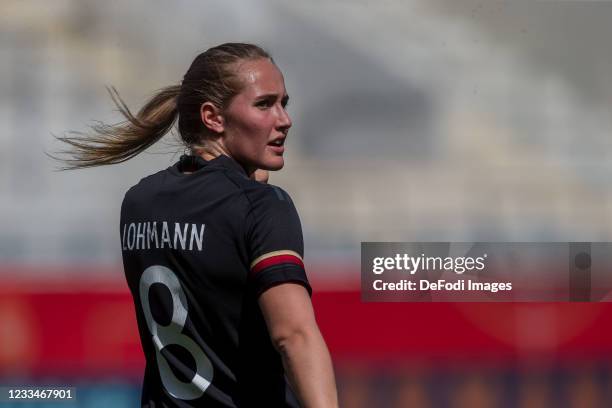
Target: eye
(285,102)
(264,103)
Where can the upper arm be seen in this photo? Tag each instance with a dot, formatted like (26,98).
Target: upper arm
(287,310)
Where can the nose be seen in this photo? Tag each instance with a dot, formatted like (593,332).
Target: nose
(284,121)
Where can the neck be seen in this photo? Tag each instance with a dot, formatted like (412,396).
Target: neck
(212,150)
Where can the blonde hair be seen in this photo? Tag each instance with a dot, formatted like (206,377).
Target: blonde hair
(211,77)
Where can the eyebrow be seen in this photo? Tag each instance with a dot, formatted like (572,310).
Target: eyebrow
(266,96)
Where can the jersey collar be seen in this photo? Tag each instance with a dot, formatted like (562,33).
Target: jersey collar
(195,163)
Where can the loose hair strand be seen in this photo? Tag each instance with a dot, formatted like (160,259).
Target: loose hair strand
(116,143)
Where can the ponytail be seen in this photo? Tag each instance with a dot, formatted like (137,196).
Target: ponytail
(110,144)
(211,77)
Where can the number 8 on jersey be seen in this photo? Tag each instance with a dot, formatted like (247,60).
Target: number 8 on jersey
(171,334)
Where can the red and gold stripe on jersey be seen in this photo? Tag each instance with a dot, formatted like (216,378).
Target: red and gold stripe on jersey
(276,258)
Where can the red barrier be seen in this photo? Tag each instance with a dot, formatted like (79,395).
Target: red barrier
(88,327)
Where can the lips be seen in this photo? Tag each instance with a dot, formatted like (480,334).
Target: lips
(279,141)
(277,145)
(276,149)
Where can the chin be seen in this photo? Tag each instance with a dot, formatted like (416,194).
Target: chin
(274,164)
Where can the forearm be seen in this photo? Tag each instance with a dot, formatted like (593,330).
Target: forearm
(309,368)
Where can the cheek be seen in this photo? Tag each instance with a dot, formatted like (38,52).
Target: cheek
(255,129)
(250,136)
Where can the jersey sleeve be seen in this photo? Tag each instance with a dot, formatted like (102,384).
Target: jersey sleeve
(274,241)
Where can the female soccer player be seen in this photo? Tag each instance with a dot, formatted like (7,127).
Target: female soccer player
(212,256)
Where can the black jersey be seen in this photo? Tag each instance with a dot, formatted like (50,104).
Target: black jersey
(198,250)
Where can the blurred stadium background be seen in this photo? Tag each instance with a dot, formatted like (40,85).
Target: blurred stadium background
(445,120)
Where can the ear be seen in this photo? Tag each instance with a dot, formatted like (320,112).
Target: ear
(212,118)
